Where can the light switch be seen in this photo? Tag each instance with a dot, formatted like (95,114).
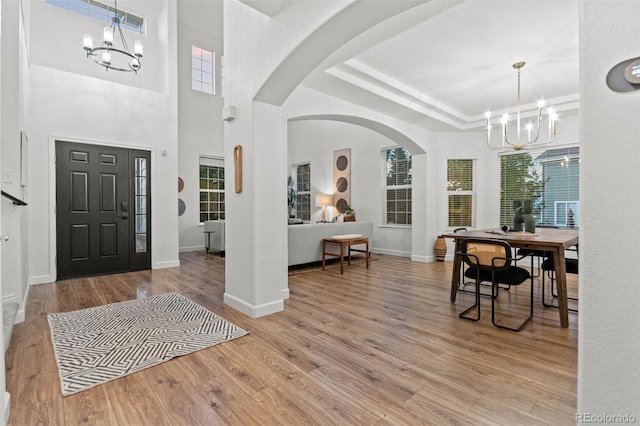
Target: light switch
(7,175)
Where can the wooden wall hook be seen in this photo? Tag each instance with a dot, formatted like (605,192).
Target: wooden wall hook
(237,158)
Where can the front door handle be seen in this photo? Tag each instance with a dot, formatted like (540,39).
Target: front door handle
(125,216)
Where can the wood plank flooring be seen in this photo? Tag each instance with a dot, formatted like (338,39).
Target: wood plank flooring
(380,346)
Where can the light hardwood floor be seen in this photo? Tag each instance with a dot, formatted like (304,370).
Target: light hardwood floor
(374,347)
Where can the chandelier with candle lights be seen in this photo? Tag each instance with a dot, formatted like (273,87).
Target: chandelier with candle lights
(108,55)
(520,140)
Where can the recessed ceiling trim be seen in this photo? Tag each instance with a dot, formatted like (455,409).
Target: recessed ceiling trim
(367,78)
(395,96)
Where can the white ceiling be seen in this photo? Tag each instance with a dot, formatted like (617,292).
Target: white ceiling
(444,63)
(447,70)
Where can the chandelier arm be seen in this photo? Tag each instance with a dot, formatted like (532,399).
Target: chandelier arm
(521,142)
(93,55)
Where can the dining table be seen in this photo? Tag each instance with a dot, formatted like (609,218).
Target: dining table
(551,240)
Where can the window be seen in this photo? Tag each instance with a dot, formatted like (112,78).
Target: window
(202,62)
(303,189)
(102,13)
(211,188)
(549,177)
(222,81)
(461,193)
(397,191)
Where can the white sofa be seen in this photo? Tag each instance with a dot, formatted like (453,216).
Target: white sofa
(305,241)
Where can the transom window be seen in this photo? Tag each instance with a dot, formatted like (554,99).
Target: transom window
(397,189)
(202,63)
(102,13)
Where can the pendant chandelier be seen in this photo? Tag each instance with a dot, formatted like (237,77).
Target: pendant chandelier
(521,140)
(108,55)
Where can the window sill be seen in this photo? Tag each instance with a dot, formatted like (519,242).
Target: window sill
(393,226)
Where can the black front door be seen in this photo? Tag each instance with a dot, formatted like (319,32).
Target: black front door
(101,224)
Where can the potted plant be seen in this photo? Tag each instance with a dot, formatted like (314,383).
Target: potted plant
(292,195)
(349,214)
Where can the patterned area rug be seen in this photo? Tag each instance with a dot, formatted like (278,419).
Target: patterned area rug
(97,345)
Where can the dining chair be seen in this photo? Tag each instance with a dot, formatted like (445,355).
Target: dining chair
(462,286)
(491,260)
(571,267)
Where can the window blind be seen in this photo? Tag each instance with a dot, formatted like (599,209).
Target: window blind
(461,193)
(549,177)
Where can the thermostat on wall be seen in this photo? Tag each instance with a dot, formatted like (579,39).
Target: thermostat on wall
(632,72)
(625,76)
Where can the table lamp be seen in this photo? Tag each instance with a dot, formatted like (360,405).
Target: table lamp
(324,200)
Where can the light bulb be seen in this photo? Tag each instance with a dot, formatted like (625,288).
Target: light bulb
(137,48)
(87,41)
(106,57)
(108,35)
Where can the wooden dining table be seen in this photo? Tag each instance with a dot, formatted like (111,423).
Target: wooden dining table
(552,240)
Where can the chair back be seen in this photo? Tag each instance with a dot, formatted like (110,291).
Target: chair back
(486,253)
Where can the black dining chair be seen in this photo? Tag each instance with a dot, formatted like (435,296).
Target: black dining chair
(462,286)
(571,267)
(491,260)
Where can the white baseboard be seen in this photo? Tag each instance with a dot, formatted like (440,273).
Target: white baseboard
(422,259)
(9,298)
(190,248)
(7,406)
(285,293)
(21,315)
(41,279)
(391,252)
(254,311)
(166,264)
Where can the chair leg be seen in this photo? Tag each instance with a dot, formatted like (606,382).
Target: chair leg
(463,314)
(493,310)
(553,294)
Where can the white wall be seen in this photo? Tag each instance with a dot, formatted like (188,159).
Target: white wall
(609,320)
(99,108)
(14,279)
(314,141)
(200,125)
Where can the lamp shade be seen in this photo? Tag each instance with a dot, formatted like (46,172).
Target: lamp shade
(324,200)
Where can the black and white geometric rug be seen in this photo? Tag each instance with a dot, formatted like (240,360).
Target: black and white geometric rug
(97,345)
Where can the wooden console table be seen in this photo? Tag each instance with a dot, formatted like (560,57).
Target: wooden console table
(342,242)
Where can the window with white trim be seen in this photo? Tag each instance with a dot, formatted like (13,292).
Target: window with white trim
(202,70)
(211,188)
(101,12)
(550,177)
(397,186)
(303,191)
(461,193)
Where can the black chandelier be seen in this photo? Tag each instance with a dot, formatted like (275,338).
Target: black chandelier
(109,56)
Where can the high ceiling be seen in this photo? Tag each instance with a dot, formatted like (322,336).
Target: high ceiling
(444,63)
(447,70)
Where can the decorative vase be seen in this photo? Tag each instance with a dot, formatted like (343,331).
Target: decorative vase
(523,214)
(440,249)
